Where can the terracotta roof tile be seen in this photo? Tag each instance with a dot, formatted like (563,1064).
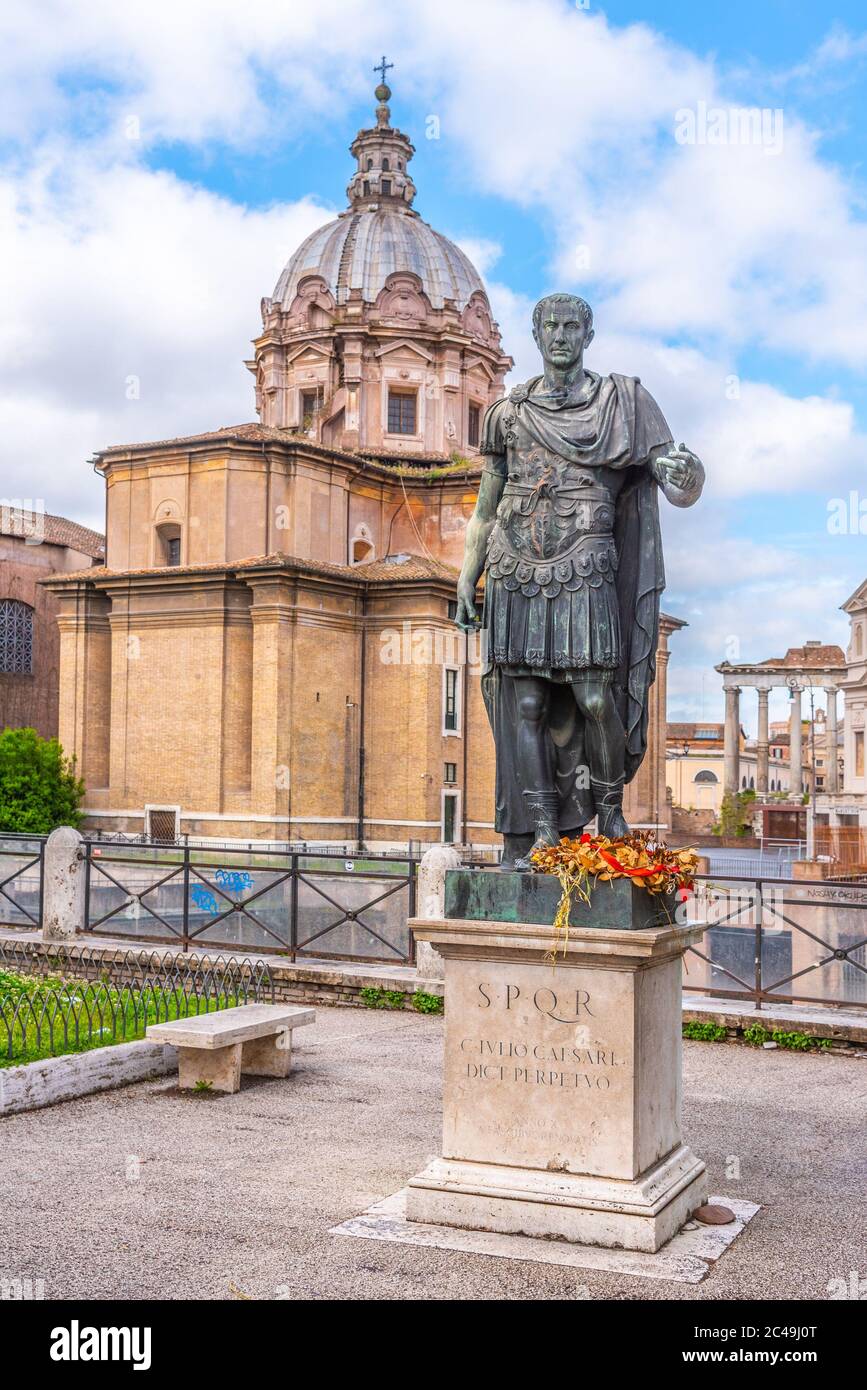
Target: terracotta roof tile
(53,530)
(807,656)
(394,569)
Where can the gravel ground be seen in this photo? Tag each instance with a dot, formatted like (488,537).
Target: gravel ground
(147,1193)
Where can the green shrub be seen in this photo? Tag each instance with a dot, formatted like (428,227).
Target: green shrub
(705,1032)
(735,818)
(382,998)
(427,1003)
(756,1034)
(795,1042)
(38,787)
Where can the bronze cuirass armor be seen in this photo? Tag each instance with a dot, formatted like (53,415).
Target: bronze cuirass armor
(551,603)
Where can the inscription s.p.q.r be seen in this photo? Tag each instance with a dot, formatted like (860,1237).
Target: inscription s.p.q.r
(546,1001)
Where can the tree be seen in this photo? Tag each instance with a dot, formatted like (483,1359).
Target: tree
(38,786)
(735,816)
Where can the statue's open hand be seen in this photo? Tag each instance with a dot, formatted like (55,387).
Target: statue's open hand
(466,617)
(680,467)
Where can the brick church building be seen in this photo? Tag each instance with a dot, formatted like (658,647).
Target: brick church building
(268,650)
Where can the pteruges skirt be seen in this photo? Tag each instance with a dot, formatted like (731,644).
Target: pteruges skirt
(555,638)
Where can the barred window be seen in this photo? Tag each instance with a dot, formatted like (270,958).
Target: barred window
(16,638)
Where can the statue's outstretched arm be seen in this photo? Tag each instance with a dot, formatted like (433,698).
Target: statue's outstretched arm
(679,472)
(479,528)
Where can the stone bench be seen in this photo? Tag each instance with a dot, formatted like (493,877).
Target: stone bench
(255,1039)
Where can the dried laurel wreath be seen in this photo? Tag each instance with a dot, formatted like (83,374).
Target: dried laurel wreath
(647,861)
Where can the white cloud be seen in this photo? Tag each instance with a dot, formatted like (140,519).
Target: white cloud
(115,281)
(482,251)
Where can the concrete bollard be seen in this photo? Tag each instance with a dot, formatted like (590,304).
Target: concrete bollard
(431,904)
(63,890)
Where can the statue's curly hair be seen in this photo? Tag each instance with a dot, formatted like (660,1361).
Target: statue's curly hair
(581,305)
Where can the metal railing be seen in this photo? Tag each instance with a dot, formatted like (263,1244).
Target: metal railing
(21,879)
(50,1005)
(773,941)
(298,904)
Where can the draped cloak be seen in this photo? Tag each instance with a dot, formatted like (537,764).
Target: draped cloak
(615,424)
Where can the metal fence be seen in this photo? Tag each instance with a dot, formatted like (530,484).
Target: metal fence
(773,941)
(299,904)
(50,1005)
(21,876)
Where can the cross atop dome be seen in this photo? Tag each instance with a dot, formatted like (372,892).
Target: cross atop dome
(382,153)
(382,68)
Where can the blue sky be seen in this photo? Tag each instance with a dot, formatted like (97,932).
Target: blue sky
(158,164)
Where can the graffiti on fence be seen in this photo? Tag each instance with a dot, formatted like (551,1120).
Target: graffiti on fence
(204,899)
(234,880)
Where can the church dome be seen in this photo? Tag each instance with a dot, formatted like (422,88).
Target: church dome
(380,234)
(361,248)
(379,334)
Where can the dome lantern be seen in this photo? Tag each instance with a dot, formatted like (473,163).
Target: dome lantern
(382,154)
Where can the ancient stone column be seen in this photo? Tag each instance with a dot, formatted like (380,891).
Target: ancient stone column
(731,741)
(63,893)
(832,780)
(796,767)
(762,743)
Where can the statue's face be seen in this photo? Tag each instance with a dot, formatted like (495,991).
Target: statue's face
(562,335)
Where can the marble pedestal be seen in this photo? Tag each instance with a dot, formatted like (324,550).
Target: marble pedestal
(562,1085)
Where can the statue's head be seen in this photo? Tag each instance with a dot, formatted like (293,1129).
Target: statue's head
(562,328)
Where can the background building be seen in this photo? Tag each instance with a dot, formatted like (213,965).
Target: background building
(840,814)
(33,546)
(815,668)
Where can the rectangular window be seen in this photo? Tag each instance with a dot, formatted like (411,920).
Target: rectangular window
(401,412)
(386,188)
(473,422)
(450,712)
(452,609)
(311,404)
(450,819)
(173,550)
(450,776)
(859,752)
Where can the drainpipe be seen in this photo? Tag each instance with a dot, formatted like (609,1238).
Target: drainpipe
(361,710)
(466,733)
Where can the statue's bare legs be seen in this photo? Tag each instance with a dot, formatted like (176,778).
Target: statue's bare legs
(534,757)
(605,745)
(534,754)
